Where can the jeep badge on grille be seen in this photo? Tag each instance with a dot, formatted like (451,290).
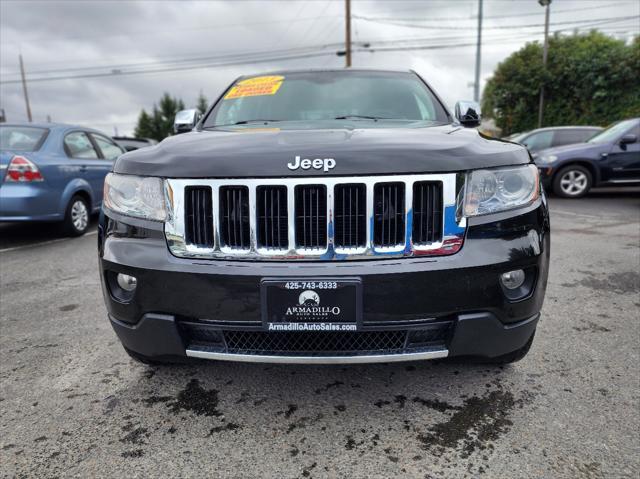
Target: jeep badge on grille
(325,164)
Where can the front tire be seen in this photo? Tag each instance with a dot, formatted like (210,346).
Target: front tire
(76,218)
(573,181)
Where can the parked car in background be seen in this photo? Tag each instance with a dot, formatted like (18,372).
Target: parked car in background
(53,172)
(130,144)
(542,138)
(612,157)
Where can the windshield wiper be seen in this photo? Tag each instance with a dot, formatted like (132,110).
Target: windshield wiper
(243,122)
(360,117)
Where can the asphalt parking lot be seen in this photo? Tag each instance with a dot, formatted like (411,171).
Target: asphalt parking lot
(73,403)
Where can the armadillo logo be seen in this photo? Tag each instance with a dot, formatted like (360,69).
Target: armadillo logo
(309,298)
(309,307)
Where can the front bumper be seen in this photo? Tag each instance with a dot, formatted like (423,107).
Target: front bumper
(412,308)
(482,334)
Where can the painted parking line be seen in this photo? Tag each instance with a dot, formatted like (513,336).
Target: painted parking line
(59,240)
(573,213)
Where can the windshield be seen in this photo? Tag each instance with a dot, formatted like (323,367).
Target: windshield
(21,138)
(613,132)
(366,97)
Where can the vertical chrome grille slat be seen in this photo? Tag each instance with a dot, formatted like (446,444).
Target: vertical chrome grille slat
(318,213)
(344,230)
(304,221)
(278,217)
(227,213)
(195,217)
(357,219)
(314,218)
(271,216)
(264,221)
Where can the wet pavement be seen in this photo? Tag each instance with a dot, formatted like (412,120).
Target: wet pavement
(73,404)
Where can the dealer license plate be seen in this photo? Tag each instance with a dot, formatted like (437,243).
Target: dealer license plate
(311,305)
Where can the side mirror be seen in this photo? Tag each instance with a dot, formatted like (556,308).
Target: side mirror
(628,138)
(185,121)
(468,113)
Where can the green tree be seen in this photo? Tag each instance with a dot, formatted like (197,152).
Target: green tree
(159,124)
(591,79)
(202,103)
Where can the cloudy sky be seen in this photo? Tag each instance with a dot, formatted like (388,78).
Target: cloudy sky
(97,63)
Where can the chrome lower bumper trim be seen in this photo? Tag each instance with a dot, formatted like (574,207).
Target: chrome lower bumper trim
(377,358)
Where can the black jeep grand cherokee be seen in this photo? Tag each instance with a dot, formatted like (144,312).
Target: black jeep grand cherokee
(326,217)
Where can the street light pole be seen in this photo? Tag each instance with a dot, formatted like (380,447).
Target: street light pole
(24,88)
(347,39)
(546,4)
(476,85)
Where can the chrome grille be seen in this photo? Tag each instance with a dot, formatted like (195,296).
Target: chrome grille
(321,219)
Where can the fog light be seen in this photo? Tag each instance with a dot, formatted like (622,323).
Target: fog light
(512,279)
(126,282)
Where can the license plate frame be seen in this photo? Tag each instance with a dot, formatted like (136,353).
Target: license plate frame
(318,311)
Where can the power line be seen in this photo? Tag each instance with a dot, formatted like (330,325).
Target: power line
(180,68)
(269,53)
(282,55)
(324,10)
(499,27)
(234,55)
(491,17)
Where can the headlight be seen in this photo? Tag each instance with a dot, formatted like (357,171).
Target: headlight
(546,159)
(141,197)
(500,189)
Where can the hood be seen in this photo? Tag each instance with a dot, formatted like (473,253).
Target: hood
(252,153)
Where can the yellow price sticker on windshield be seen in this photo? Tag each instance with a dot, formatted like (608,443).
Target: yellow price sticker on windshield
(256,86)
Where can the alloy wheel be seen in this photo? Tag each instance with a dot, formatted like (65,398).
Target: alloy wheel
(79,215)
(573,182)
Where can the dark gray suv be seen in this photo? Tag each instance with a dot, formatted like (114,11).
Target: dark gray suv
(551,137)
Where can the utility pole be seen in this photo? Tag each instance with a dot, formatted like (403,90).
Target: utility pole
(476,85)
(24,88)
(546,4)
(348,33)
